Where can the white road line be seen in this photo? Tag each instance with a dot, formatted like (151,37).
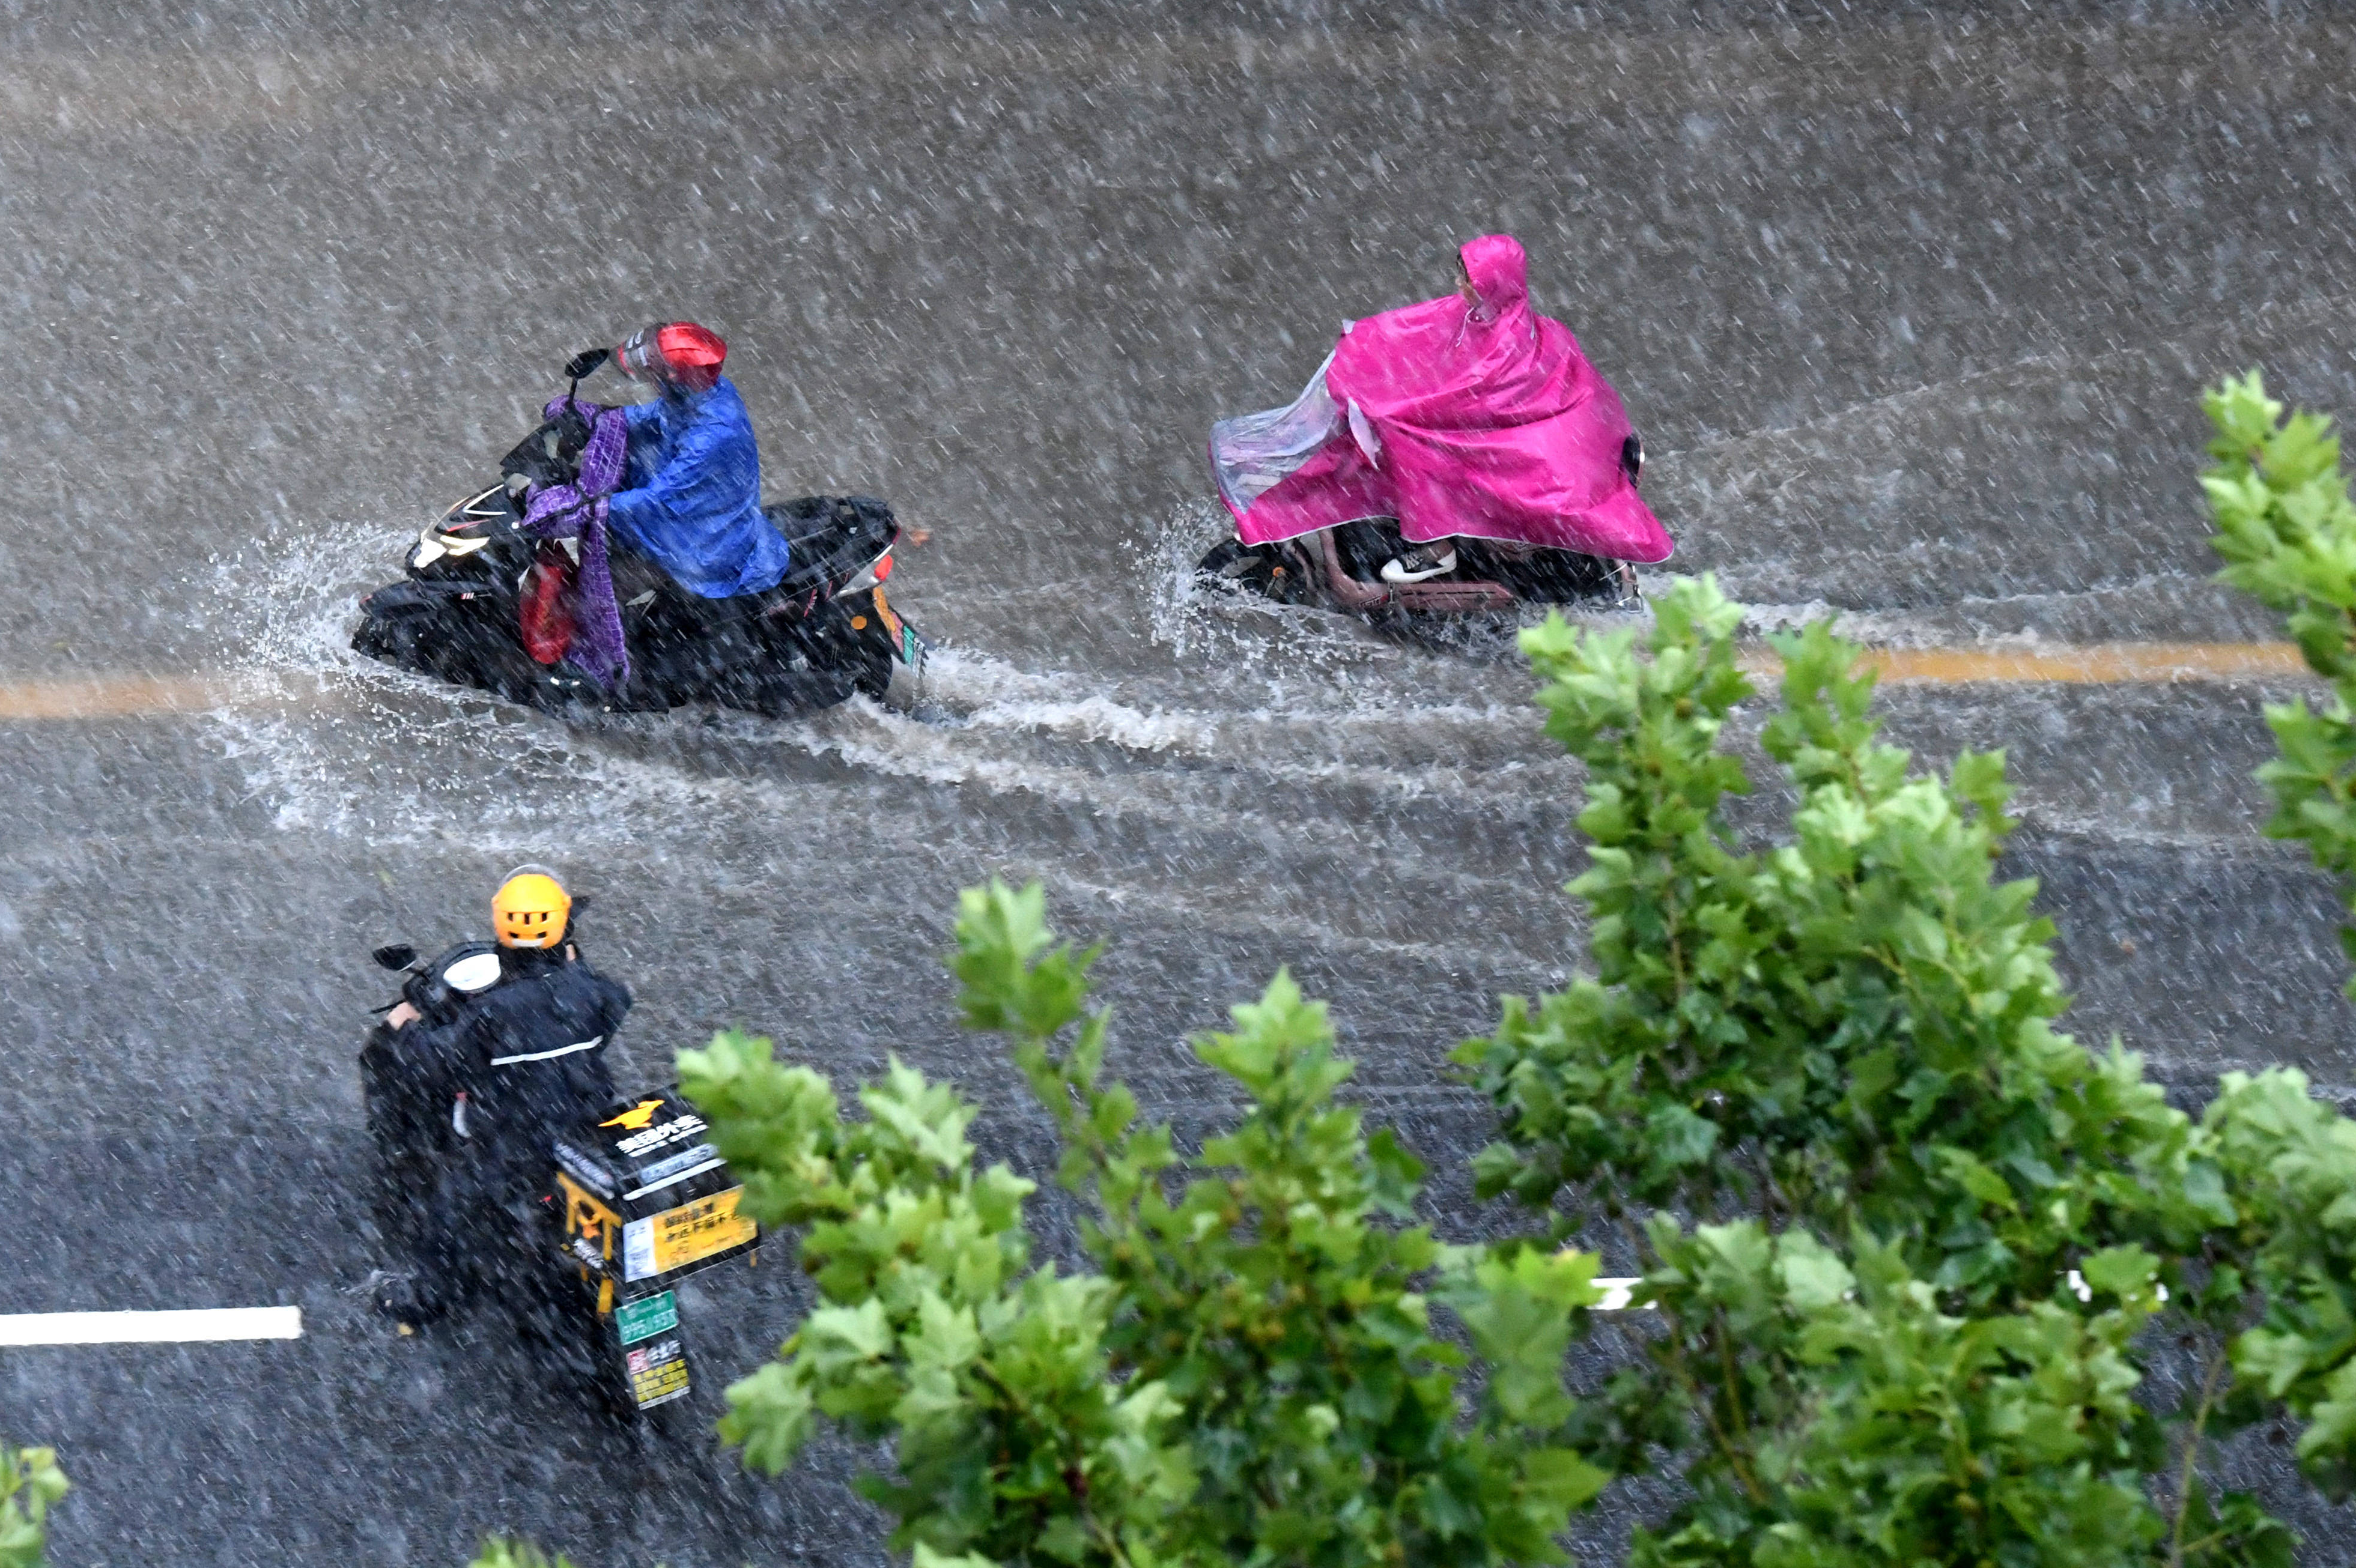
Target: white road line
(1616,1295)
(151,1327)
(1618,1292)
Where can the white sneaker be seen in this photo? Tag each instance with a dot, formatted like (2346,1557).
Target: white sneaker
(1416,563)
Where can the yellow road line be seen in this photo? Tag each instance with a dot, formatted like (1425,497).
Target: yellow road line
(111,696)
(2097,664)
(144,696)
(2094,664)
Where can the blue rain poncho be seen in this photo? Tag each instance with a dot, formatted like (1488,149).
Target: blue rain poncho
(692,496)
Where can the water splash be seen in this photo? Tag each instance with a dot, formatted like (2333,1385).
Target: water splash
(1270,703)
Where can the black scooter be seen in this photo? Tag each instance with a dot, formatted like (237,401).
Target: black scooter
(1341,568)
(827,631)
(635,1200)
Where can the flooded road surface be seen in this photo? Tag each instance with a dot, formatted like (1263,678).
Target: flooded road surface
(1913,315)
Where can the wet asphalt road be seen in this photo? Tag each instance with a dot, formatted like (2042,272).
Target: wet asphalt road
(1911,308)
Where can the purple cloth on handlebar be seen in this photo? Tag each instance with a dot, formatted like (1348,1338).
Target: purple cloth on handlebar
(564,510)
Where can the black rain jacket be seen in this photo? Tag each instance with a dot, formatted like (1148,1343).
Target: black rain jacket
(509,1055)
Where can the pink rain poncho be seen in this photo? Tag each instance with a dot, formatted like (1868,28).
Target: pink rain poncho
(1483,420)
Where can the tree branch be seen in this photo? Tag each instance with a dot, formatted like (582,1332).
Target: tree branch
(2176,1548)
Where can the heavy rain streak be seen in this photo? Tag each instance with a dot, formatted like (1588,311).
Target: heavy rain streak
(1911,306)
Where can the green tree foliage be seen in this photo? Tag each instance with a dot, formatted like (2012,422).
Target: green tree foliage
(1902,1233)
(1251,1375)
(1835,1051)
(30,1482)
(1905,1245)
(2286,531)
(2288,534)
(501,1552)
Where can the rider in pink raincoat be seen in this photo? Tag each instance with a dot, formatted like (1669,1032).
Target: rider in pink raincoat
(1467,414)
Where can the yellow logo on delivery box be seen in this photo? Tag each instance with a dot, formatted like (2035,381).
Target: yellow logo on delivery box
(636,1116)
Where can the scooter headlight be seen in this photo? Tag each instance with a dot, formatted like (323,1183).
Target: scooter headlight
(462,530)
(436,542)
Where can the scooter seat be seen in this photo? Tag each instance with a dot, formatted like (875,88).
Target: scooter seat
(833,537)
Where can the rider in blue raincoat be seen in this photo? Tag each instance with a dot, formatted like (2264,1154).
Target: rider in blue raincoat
(691,499)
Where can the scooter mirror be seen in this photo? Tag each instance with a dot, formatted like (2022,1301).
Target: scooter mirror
(396,956)
(588,359)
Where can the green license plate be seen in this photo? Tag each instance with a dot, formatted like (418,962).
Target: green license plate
(645,1320)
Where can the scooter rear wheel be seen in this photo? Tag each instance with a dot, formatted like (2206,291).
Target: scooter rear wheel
(873,680)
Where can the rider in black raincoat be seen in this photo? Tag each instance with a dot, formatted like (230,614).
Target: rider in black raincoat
(496,1051)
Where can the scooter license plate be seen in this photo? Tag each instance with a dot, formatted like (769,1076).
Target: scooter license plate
(647,1317)
(891,622)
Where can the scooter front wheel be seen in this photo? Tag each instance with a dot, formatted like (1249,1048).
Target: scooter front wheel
(1269,571)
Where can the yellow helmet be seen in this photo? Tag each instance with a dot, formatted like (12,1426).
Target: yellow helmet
(530,908)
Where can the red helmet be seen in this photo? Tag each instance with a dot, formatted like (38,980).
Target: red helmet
(673,353)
